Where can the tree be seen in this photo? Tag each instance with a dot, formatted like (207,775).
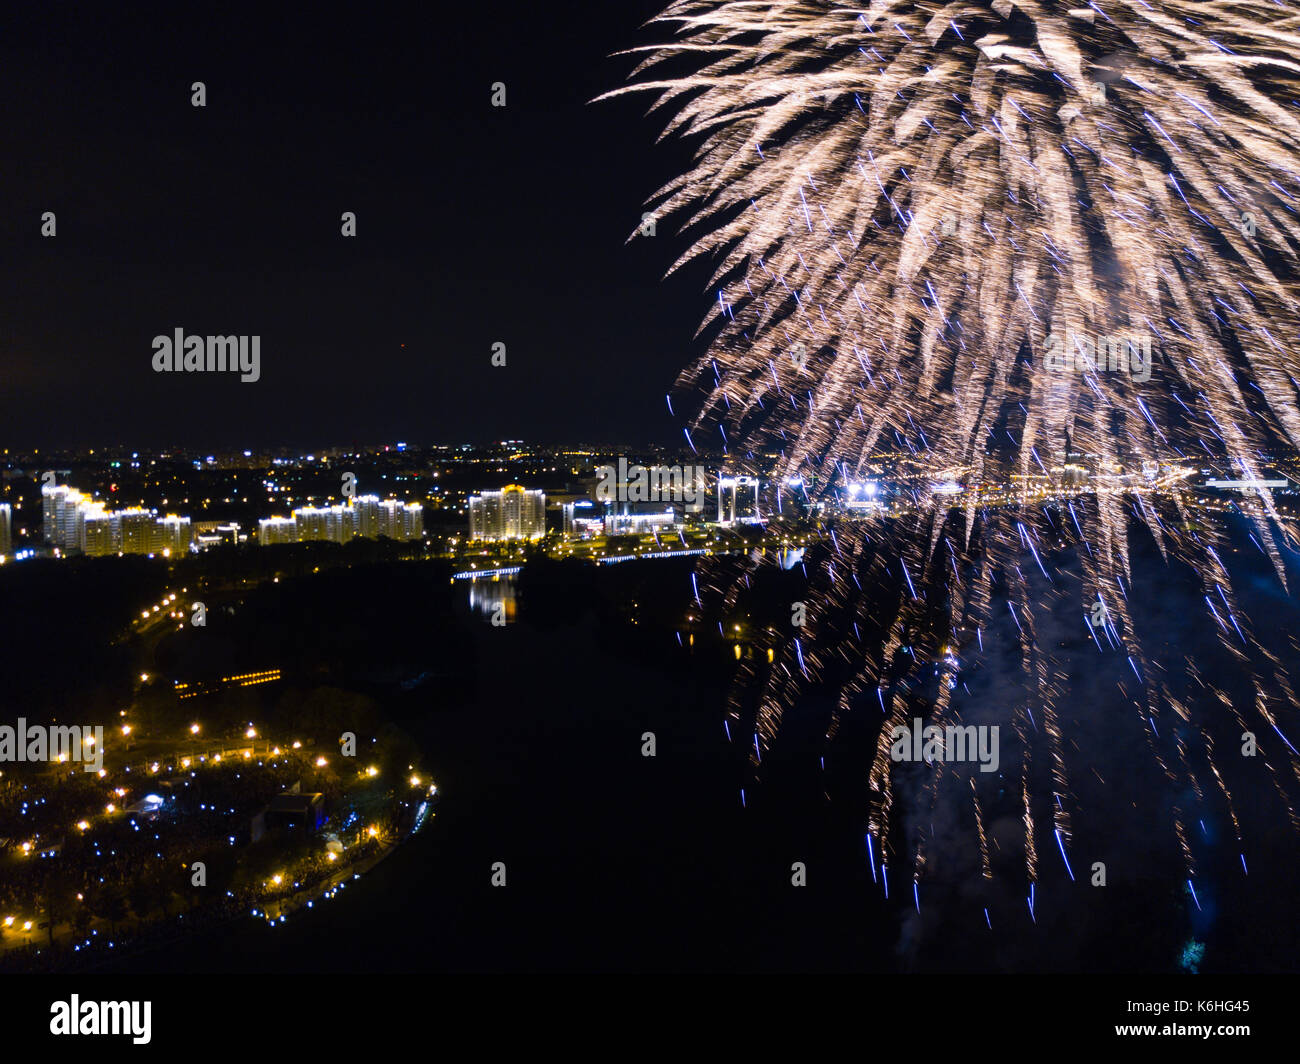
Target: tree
(143,895)
(110,904)
(57,897)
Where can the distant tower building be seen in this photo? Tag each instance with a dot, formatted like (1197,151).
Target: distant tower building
(277,530)
(412,521)
(172,535)
(51,496)
(75,521)
(75,503)
(334,523)
(367,512)
(400,521)
(341,524)
(97,532)
(368,517)
(485,515)
(731,506)
(6,531)
(310,523)
(91,522)
(60,510)
(511,513)
(135,530)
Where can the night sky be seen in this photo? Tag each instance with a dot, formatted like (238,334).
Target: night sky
(475,225)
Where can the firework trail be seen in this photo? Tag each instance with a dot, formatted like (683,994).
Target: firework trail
(949,231)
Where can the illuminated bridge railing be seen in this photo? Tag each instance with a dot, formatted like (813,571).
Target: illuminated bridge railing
(474,574)
(656,554)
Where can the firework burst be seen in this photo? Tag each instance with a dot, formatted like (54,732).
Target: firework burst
(913,211)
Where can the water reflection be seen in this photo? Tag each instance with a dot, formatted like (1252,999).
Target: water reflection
(493,598)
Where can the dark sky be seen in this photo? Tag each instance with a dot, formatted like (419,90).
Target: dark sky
(475,225)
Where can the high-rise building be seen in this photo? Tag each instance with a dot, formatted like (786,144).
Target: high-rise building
(98,533)
(337,524)
(412,522)
(135,530)
(51,496)
(485,516)
(171,535)
(367,514)
(91,519)
(400,521)
(272,530)
(61,506)
(75,503)
(76,522)
(731,508)
(6,531)
(511,513)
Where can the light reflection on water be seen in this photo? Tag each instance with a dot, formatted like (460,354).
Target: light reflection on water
(488,594)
